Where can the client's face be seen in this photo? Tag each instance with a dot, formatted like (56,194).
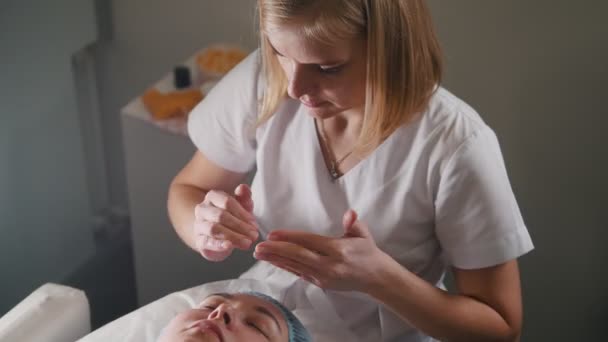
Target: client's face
(228,318)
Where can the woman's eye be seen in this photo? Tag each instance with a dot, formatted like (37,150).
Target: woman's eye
(209,307)
(254,326)
(276,53)
(330,70)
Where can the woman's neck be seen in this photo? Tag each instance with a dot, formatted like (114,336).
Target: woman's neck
(344,125)
(339,136)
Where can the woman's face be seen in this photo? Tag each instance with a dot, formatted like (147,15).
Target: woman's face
(228,318)
(328,79)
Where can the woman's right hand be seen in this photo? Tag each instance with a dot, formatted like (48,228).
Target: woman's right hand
(223,222)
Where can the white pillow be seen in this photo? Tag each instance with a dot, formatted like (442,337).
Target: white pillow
(52,313)
(146,323)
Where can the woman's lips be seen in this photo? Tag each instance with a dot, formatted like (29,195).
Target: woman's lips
(312,104)
(212,327)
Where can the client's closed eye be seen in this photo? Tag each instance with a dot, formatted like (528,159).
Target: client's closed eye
(257,328)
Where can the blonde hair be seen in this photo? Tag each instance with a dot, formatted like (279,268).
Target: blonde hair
(404,63)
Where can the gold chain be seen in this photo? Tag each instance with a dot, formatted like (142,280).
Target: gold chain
(334,164)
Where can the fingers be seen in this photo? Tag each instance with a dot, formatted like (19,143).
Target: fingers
(350,216)
(242,190)
(314,242)
(216,256)
(243,196)
(206,242)
(223,222)
(218,231)
(306,272)
(353,227)
(271,250)
(221,200)
(221,217)
(213,249)
(226,219)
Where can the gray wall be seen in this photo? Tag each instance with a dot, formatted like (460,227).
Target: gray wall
(44,210)
(149,37)
(537,71)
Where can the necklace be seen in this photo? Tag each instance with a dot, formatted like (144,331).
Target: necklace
(333,162)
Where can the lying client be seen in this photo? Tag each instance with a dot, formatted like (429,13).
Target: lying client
(245,316)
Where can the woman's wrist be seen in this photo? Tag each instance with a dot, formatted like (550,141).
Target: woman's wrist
(182,201)
(389,273)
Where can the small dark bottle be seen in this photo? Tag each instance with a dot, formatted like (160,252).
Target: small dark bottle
(181,77)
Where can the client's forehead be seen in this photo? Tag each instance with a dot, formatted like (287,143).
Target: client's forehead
(223,295)
(242,298)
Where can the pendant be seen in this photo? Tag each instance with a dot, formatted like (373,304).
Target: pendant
(333,172)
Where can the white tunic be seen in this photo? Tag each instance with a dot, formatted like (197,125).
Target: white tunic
(435,193)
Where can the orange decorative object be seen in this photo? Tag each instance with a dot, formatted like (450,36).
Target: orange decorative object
(170,105)
(219,60)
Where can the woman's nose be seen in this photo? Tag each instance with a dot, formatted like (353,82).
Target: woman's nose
(300,83)
(222,312)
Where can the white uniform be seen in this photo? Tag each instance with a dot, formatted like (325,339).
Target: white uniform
(434,194)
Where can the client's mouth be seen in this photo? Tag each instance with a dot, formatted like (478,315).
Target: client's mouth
(210,326)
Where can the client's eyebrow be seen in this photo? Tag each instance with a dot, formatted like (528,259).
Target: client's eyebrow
(265,311)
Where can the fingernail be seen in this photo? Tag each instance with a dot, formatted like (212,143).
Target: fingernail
(225,244)
(246,243)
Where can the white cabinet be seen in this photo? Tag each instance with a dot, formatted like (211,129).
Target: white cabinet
(153,156)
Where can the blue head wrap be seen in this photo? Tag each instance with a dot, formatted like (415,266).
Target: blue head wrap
(297,331)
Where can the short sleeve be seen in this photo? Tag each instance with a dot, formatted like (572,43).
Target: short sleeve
(222,125)
(478,221)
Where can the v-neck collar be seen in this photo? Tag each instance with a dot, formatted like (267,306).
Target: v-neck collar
(358,168)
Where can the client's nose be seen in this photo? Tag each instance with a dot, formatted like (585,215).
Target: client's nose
(221,312)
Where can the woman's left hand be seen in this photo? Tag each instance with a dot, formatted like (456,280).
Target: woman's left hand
(352,262)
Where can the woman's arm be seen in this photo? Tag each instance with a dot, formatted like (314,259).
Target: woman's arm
(487,307)
(188,189)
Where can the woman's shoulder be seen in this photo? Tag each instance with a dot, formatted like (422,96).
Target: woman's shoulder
(446,125)
(450,118)
(243,82)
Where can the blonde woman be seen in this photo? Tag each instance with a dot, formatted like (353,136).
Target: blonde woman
(372,180)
